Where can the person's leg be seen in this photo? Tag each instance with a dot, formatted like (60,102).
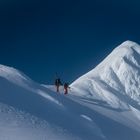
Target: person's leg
(57,88)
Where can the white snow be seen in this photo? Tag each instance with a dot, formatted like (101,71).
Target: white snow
(86,117)
(118,73)
(29,111)
(14,76)
(113,87)
(45,95)
(103,104)
(18,125)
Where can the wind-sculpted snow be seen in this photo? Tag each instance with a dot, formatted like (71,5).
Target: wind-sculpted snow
(116,80)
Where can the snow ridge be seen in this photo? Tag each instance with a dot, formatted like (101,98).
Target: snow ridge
(117,78)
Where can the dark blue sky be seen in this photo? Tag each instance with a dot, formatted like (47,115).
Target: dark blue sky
(69,37)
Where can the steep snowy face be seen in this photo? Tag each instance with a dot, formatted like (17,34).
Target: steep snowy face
(116,78)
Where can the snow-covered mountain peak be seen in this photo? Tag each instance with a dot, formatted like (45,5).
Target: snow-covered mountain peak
(127,52)
(128,44)
(127,48)
(117,76)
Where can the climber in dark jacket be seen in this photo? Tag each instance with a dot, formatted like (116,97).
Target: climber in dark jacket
(57,84)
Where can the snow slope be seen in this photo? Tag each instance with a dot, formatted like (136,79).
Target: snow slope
(29,111)
(113,87)
(25,109)
(103,104)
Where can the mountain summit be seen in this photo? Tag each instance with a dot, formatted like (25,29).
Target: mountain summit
(116,79)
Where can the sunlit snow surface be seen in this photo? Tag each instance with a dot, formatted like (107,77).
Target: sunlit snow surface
(103,104)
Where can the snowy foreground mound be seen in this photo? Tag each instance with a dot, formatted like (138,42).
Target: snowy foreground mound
(104,104)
